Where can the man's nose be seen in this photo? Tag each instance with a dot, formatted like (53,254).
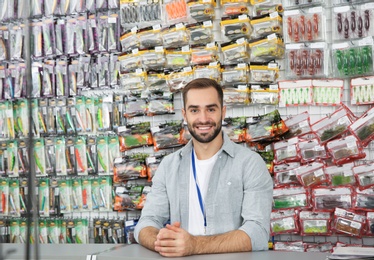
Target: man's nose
(204,116)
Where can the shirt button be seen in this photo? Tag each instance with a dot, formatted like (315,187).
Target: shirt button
(229,183)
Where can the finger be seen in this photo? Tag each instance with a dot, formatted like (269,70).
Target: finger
(166,243)
(166,235)
(176,224)
(170,254)
(168,251)
(173,228)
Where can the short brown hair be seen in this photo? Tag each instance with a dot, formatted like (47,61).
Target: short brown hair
(202,83)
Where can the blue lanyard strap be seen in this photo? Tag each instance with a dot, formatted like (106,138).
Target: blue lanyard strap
(197,188)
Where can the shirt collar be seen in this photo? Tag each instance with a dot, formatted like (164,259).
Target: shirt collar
(227,147)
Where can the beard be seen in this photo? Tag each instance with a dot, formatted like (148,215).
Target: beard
(205,137)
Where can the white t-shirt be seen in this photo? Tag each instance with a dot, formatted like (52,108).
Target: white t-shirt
(203,171)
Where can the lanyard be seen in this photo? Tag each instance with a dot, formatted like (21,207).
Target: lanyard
(198,189)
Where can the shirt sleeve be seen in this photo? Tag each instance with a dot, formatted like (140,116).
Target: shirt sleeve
(257,202)
(155,212)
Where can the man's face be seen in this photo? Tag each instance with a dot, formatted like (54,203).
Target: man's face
(203,114)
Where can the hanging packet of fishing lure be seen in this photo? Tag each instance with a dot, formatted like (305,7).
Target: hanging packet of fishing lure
(204,53)
(201,10)
(235,128)
(201,32)
(284,222)
(333,125)
(166,135)
(346,149)
(175,11)
(134,135)
(177,79)
(268,24)
(264,94)
(235,74)
(129,167)
(160,102)
(81,155)
(152,58)
(129,13)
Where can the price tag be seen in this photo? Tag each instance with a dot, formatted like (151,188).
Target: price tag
(122,129)
(151,159)
(179,26)
(112,20)
(273,15)
(318,173)
(207,23)
(159,49)
(355,225)
(155,129)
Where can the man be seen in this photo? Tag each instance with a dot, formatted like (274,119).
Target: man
(216,194)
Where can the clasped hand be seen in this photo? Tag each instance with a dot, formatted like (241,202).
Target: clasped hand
(174,241)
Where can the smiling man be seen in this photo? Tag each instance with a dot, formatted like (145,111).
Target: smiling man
(216,194)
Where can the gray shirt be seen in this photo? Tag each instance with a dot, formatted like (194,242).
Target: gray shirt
(239,196)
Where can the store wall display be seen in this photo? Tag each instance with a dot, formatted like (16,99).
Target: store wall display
(105,107)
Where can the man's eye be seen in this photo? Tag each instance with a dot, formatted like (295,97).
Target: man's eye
(212,110)
(193,110)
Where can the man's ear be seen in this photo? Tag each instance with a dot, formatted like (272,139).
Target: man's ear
(224,112)
(184,115)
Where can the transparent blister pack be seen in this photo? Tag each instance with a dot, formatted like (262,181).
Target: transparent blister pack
(200,33)
(307,61)
(298,125)
(315,223)
(284,222)
(334,125)
(352,58)
(204,54)
(262,26)
(311,175)
(263,74)
(361,89)
(129,62)
(234,52)
(175,36)
(270,47)
(329,198)
(312,150)
(362,128)
(364,199)
(234,74)
(153,59)
(305,26)
(267,7)
(352,22)
(236,8)
(364,175)
(286,151)
(264,94)
(233,29)
(178,58)
(150,36)
(292,197)
(340,175)
(348,223)
(346,149)
(290,4)
(201,10)
(177,79)
(266,127)
(236,96)
(211,71)
(284,174)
